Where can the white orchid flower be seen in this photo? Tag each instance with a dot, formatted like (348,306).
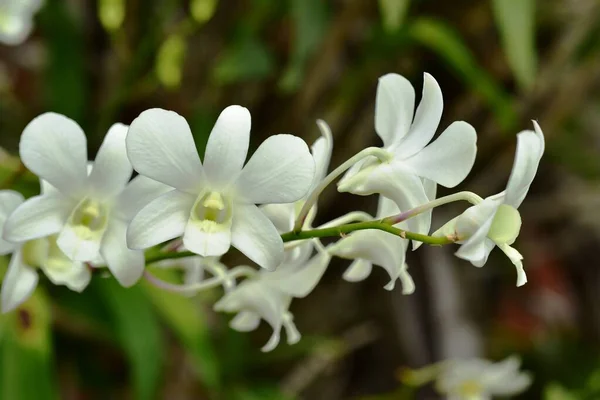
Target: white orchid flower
(413,162)
(213,205)
(89,211)
(284,216)
(16,20)
(21,278)
(496,221)
(268,296)
(480,379)
(377,247)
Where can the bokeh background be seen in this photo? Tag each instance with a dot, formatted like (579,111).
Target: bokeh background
(500,63)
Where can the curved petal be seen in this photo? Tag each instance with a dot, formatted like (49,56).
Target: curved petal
(245,321)
(394,108)
(137,194)
(517,260)
(321,150)
(227,146)
(254,297)
(74,275)
(39,216)
(303,279)
(280,171)
(254,235)
(54,148)
(160,145)
(359,270)
(112,169)
(9,201)
(207,243)
(427,119)
(397,183)
(408,285)
(18,283)
(530,148)
(162,219)
(449,159)
(378,247)
(475,248)
(386,207)
(126,265)
(77,246)
(281,215)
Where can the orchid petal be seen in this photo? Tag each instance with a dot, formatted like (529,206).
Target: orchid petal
(394,108)
(245,321)
(126,265)
(280,171)
(302,280)
(160,145)
(378,247)
(62,271)
(427,119)
(476,248)
(517,260)
(254,235)
(37,217)
(281,215)
(162,219)
(227,146)
(137,194)
(449,159)
(359,270)
(530,148)
(112,169)
(212,243)
(18,283)
(54,147)
(321,150)
(9,201)
(392,180)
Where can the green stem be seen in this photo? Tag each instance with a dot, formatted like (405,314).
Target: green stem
(341,230)
(335,231)
(403,216)
(381,154)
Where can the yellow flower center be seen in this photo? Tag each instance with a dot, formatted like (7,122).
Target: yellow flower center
(212,211)
(89,219)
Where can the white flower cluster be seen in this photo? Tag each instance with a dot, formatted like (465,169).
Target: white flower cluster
(91,214)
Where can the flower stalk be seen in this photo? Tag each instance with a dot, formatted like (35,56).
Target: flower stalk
(381,154)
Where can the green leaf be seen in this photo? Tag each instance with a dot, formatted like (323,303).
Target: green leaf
(139,333)
(444,41)
(65,83)
(247,60)
(27,371)
(186,319)
(392,13)
(310,22)
(516,22)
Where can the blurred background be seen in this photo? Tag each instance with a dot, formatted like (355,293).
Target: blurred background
(500,63)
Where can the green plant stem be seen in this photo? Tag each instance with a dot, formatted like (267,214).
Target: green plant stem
(381,154)
(335,231)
